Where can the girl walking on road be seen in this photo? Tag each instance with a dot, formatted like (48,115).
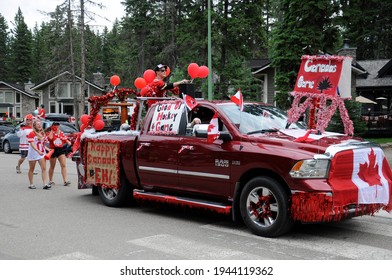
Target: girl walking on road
(36,153)
(25,129)
(58,142)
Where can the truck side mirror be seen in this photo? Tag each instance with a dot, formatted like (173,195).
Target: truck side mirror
(225,136)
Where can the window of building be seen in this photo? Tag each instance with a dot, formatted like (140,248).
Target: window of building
(17,112)
(17,97)
(65,90)
(9,97)
(52,107)
(52,91)
(68,109)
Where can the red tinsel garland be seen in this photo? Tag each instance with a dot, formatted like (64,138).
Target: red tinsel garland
(319,207)
(98,101)
(325,112)
(325,57)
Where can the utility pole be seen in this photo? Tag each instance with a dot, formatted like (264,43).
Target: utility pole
(210,95)
(83,60)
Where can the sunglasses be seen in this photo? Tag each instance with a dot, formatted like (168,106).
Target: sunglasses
(162,70)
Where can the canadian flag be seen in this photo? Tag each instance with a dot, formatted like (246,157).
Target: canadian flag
(213,129)
(237,99)
(190,102)
(361,176)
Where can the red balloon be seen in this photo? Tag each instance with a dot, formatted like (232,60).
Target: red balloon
(149,75)
(203,71)
(97,117)
(84,119)
(140,83)
(83,127)
(99,125)
(115,80)
(167,71)
(193,70)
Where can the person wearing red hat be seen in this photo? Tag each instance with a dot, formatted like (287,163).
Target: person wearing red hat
(24,130)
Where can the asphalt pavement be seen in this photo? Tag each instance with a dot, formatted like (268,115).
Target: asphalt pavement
(387,148)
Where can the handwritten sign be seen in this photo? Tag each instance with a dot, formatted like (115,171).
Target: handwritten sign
(102,163)
(166,118)
(324,75)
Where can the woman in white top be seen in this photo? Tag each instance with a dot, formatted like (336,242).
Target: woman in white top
(24,130)
(37,151)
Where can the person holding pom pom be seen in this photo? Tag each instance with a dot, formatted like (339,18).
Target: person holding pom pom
(58,143)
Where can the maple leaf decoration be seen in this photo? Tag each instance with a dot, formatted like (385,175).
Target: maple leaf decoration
(324,84)
(369,173)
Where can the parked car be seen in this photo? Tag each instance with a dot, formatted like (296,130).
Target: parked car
(10,142)
(4,129)
(57,117)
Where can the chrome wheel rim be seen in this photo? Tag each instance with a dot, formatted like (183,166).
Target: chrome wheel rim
(262,207)
(109,193)
(6,147)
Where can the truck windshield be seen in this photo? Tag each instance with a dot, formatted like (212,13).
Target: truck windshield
(258,118)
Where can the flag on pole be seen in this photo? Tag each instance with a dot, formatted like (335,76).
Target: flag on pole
(213,129)
(190,102)
(237,99)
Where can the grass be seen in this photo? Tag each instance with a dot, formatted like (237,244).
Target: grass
(380,140)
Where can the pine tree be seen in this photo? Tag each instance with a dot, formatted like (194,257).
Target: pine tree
(4,51)
(302,27)
(21,45)
(368,25)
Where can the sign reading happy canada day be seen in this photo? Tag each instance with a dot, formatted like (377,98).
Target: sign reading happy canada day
(166,118)
(325,75)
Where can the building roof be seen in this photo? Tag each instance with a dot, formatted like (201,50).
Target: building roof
(20,89)
(259,65)
(378,73)
(44,83)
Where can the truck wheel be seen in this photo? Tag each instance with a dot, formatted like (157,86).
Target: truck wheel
(116,197)
(264,207)
(94,190)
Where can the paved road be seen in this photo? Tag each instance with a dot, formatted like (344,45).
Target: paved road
(66,223)
(388,152)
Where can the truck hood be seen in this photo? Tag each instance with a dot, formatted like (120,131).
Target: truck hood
(309,142)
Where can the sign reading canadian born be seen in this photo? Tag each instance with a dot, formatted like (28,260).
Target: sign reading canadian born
(166,118)
(102,164)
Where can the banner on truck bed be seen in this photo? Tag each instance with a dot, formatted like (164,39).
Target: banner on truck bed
(102,163)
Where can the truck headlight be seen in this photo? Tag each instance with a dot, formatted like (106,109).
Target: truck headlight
(310,168)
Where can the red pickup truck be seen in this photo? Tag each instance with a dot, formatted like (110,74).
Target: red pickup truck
(261,169)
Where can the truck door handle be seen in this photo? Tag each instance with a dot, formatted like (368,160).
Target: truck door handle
(185,147)
(141,145)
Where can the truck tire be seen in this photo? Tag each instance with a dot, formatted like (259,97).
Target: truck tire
(264,207)
(116,197)
(94,190)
